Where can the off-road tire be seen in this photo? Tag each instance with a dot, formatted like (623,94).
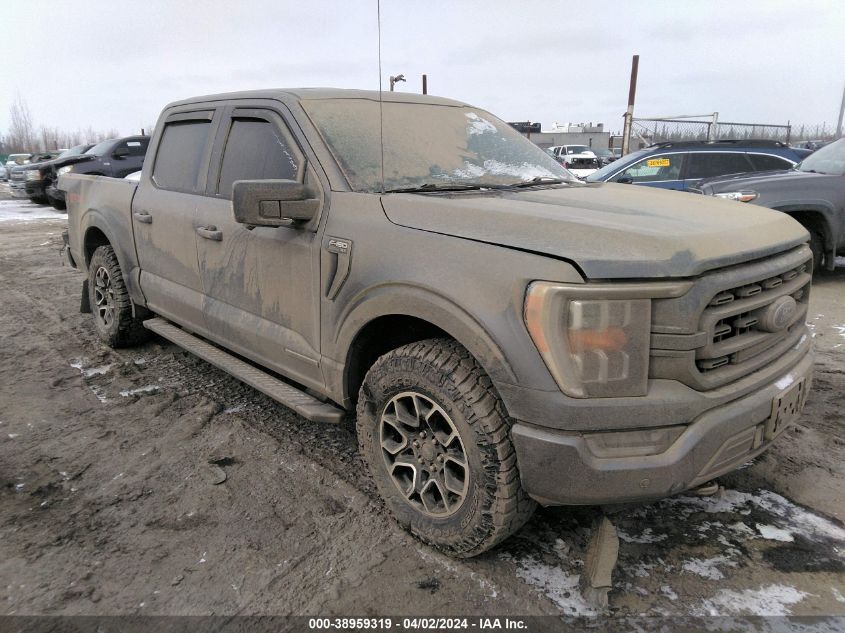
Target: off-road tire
(495,505)
(123,329)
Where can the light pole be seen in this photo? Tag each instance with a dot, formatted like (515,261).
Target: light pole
(395,80)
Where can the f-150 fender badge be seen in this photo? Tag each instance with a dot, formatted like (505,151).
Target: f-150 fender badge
(342,250)
(338,245)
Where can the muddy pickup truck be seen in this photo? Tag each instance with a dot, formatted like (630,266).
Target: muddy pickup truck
(504,335)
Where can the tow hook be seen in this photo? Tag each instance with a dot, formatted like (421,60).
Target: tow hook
(707,489)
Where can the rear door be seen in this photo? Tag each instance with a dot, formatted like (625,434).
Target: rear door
(261,284)
(164,216)
(701,165)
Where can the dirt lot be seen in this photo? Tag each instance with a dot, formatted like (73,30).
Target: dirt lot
(111,501)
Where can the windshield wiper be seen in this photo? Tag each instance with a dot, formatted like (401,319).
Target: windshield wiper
(539,180)
(431,186)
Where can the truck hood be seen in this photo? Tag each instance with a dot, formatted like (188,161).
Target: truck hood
(610,231)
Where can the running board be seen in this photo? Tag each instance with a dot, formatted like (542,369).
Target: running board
(305,405)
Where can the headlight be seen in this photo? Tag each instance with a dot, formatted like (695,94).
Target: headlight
(65,170)
(742,196)
(594,338)
(33,174)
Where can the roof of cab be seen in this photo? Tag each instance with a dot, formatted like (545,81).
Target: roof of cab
(309,94)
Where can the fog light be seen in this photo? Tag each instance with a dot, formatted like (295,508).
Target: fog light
(633,443)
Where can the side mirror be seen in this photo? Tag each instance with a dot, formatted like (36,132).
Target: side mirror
(625,180)
(273,202)
(121,152)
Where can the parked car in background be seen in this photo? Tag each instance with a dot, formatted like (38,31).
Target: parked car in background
(14,160)
(617,152)
(604,156)
(813,193)
(17,177)
(39,176)
(578,159)
(4,175)
(681,165)
(116,157)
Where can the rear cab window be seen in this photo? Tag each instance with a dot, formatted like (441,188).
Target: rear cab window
(181,152)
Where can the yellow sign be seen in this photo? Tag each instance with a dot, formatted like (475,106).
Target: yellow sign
(658,162)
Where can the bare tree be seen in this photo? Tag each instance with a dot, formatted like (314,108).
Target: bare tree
(21,130)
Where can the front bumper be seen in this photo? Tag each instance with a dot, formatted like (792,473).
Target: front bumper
(558,468)
(34,188)
(17,188)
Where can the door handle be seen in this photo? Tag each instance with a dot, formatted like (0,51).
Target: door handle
(143,217)
(210,233)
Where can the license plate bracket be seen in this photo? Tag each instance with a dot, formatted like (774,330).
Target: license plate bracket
(786,408)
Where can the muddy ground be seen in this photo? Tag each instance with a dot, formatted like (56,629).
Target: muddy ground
(111,501)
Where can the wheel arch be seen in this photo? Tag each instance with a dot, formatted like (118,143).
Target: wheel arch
(397,315)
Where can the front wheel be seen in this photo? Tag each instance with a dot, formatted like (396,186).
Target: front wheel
(110,302)
(817,248)
(436,439)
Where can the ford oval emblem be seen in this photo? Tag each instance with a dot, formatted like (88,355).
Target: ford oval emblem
(779,314)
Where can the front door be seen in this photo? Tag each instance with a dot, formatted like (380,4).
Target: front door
(661,170)
(164,218)
(261,284)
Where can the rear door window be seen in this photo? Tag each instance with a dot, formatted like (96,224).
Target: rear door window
(768,162)
(136,147)
(655,168)
(256,149)
(180,155)
(710,164)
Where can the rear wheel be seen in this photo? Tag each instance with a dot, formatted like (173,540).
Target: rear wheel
(110,302)
(436,439)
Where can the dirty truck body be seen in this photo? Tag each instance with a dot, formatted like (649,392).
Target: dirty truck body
(507,338)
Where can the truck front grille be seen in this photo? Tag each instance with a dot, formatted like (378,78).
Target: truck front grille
(733,322)
(736,322)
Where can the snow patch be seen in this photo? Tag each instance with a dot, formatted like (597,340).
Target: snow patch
(555,583)
(477,125)
(145,389)
(708,567)
(766,601)
(646,536)
(525,171)
(773,533)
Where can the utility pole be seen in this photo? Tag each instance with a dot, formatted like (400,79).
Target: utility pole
(841,114)
(425,85)
(629,114)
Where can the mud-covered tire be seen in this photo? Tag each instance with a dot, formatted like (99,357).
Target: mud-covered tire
(446,375)
(110,304)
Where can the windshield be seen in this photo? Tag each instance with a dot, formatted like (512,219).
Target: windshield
(427,145)
(73,151)
(577,149)
(829,159)
(608,170)
(101,148)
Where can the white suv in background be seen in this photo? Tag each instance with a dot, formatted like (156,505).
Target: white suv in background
(579,159)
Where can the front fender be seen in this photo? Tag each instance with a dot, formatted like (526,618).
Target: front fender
(426,304)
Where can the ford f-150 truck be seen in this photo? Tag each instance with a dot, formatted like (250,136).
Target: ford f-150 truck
(504,335)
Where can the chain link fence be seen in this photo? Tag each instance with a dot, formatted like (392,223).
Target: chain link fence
(647,131)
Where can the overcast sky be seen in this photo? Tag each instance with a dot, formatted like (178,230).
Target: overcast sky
(114,64)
